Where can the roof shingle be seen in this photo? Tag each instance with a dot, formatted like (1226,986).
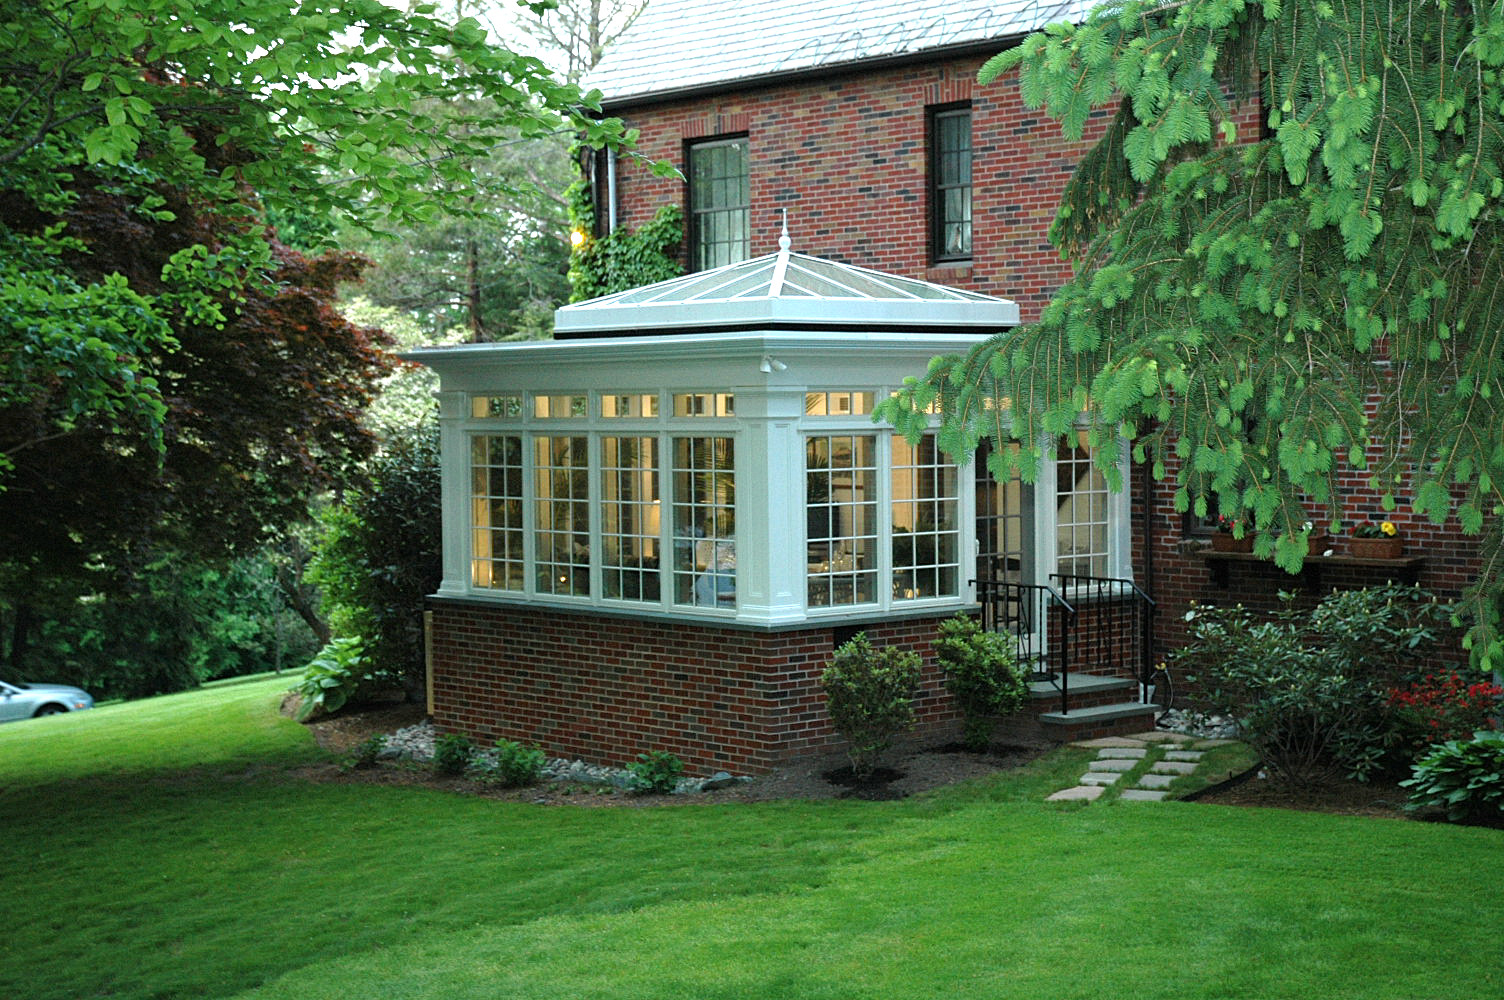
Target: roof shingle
(684,45)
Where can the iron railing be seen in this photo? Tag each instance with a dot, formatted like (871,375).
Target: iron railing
(1117,633)
(1105,624)
(1041,621)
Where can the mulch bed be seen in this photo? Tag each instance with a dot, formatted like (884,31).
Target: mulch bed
(909,772)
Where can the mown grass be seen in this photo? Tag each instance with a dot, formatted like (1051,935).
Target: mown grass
(190,861)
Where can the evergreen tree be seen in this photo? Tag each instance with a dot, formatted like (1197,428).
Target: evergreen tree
(1252,312)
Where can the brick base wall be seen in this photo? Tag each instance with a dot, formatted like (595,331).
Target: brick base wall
(606,688)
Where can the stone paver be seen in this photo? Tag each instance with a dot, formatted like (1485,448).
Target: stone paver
(1156,736)
(1081,793)
(1108,741)
(1122,753)
(1173,754)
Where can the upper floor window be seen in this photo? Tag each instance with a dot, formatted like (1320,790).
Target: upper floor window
(950,183)
(719,199)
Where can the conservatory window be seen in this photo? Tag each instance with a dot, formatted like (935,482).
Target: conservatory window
(926,521)
(837,404)
(704,404)
(496,512)
(841,519)
(630,518)
(1083,512)
(493,407)
(561,468)
(704,521)
(561,407)
(626,407)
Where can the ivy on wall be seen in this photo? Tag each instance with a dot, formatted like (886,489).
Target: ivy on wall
(623,258)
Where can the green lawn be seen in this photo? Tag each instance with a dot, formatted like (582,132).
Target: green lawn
(163,849)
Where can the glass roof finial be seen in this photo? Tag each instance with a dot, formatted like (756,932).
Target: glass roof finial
(783,241)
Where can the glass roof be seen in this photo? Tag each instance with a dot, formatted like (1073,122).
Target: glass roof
(787,288)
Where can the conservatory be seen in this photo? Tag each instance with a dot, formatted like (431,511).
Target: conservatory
(695,463)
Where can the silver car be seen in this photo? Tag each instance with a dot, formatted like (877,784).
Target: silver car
(26,701)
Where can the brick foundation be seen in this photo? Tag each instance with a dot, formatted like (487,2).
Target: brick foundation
(606,688)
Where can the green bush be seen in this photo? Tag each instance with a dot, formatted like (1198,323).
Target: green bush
(379,558)
(1463,777)
(656,771)
(869,693)
(365,753)
(517,765)
(452,754)
(1308,687)
(332,678)
(983,673)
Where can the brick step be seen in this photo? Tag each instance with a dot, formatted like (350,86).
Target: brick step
(1113,719)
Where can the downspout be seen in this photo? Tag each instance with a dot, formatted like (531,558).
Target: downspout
(610,191)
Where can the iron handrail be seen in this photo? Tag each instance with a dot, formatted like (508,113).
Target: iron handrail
(997,595)
(1098,587)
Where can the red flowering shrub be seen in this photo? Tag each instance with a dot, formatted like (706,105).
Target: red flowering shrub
(1441,707)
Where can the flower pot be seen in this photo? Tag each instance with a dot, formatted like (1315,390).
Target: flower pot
(1376,548)
(1223,541)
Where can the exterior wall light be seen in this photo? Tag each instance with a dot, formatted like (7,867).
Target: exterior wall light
(770,365)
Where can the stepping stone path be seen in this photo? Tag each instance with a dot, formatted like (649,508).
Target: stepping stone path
(1176,754)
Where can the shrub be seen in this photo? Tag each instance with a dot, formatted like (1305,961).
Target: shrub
(452,754)
(379,558)
(1464,777)
(1440,707)
(516,765)
(365,753)
(332,678)
(656,771)
(983,673)
(1307,687)
(869,693)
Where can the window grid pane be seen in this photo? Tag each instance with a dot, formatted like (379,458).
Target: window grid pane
(1081,520)
(926,522)
(841,519)
(718,203)
(630,518)
(1003,523)
(561,470)
(704,521)
(623,406)
(496,559)
(950,191)
(561,407)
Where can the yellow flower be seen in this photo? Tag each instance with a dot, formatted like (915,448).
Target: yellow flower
(1389,529)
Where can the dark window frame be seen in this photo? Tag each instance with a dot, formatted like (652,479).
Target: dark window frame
(695,234)
(937,189)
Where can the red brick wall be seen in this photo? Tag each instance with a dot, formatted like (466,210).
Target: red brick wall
(608,688)
(847,158)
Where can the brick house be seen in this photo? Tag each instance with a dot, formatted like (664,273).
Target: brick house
(861,125)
